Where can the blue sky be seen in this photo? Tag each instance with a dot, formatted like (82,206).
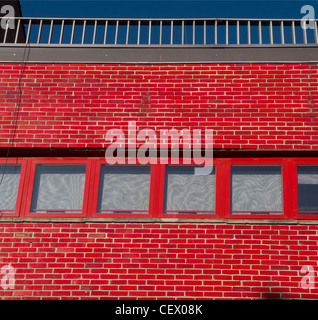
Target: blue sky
(165,9)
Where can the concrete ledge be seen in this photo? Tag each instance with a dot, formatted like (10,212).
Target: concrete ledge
(162,221)
(220,54)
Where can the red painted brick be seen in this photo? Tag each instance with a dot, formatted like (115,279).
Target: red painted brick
(249,106)
(267,100)
(230,271)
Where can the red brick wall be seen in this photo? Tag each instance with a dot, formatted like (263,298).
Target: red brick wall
(249,106)
(193,261)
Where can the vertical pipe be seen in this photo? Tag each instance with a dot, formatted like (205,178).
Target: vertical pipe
(216,32)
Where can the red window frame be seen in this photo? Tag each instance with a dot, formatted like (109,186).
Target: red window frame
(294,184)
(56,161)
(95,188)
(157,181)
(20,193)
(255,162)
(160,198)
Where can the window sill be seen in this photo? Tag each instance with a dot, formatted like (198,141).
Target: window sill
(160,220)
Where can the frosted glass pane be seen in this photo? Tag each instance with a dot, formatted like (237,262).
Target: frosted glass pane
(188,193)
(58,188)
(124,189)
(256,189)
(9,186)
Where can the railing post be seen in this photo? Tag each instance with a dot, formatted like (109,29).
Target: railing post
(249,31)
(271,32)
(39,33)
(61,33)
(17,31)
(226,32)
(116,31)
(238,32)
(6,31)
(94,35)
(303,25)
(260,40)
(282,35)
(293,32)
(51,30)
(83,33)
(149,33)
(105,32)
(138,34)
(73,30)
(182,33)
(127,32)
(29,31)
(171,33)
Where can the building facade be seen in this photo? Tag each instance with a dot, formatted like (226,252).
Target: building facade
(73,226)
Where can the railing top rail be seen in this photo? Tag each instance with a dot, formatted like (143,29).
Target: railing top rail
(158,19)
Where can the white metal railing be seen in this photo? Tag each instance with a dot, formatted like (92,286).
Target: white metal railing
(158,32)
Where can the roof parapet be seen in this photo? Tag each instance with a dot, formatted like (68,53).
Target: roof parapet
(159,40)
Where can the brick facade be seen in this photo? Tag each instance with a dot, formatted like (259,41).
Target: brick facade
(167,261)
(249,107)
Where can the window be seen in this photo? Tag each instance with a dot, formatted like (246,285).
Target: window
(9,188)
(188,193)
(58,188)
(124,189)
(256,190)
(307,177)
